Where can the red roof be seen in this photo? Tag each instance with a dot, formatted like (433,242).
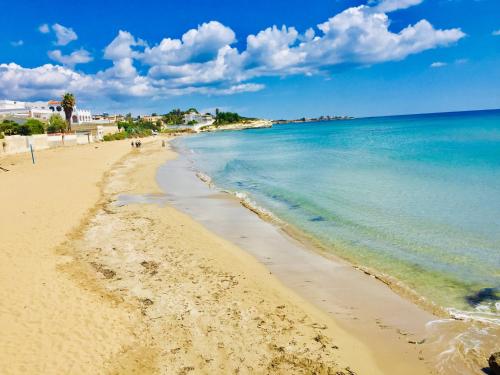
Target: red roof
(54,102)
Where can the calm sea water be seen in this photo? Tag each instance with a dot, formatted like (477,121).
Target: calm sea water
(416,197)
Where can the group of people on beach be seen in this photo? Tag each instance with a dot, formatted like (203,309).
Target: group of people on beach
(137,143)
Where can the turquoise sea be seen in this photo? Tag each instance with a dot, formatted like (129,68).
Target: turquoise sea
(415,197)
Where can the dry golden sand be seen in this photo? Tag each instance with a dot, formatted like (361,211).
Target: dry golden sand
(48,324)
(88,286)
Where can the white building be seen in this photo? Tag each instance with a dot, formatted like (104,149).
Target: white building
(43,110)
(201,120)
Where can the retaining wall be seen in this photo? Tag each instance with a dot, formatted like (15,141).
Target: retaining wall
(14,144)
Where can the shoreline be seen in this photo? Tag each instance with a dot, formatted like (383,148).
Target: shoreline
(443,344)
(149,290)
(315,245)
(124,281)
(306,272)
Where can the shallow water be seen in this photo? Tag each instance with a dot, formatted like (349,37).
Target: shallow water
(415,197)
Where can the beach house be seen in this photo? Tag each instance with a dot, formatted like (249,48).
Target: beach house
(42,110)
(203,120)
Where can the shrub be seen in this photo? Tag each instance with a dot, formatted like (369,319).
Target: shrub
(224,118)
(35,126)
(115,137)
(8,127)
(23,129)
(56,124)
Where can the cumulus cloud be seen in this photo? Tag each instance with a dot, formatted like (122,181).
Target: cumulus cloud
(64,35)
(80,56)
(121,46)
(205,60)
(496,33)
(46,80)
(196,45)
(438,64)
(44,28)
(17,43)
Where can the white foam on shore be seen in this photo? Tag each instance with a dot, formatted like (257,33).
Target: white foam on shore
(461,339)
(483,313)
(244,199)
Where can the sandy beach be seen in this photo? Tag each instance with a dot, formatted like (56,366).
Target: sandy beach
(94,284)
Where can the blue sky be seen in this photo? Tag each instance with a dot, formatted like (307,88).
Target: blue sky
(360,58)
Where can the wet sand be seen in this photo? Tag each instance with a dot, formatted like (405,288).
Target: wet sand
(101,273)
(95,284)
(391,326)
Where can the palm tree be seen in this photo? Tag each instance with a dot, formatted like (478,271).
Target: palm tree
(68,103)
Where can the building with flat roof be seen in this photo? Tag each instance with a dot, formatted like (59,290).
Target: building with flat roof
(42,110)
(206,119)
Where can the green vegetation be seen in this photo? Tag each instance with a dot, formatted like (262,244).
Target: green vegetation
(134,129)
(30,127)
(8,127)
(68,103)
(174,117)
(224,118)
(33,126)
(56,124)
(192,122)
(140,127)
(115,137)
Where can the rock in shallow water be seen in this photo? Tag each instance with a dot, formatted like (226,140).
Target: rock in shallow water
(494,363)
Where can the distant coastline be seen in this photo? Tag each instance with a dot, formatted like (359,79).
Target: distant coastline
(312,119)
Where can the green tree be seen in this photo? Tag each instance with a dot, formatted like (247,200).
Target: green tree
(174,117)
(223,118)
(31,126)
(68,103)
(9,127)
(56,124)
(35,126)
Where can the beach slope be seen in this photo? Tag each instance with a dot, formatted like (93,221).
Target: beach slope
(101,275)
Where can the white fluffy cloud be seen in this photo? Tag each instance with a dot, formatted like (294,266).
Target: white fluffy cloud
(64,35)
(197,45)
(204,60)
(80,56)
(17,43)
(43,81)
(121,46)
(496,33)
